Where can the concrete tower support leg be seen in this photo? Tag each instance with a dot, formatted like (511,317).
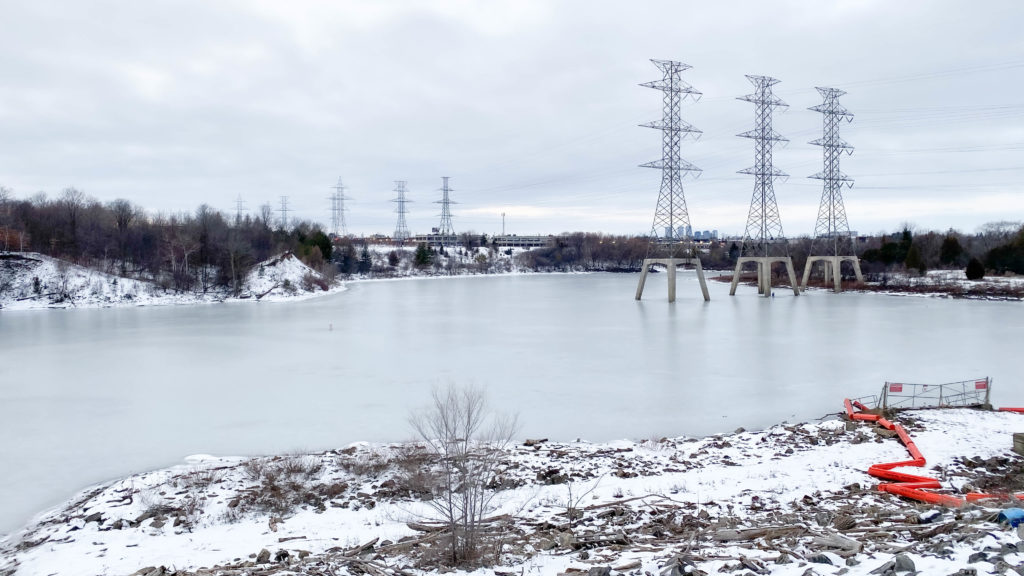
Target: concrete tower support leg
(643,279)
(735,277)
(703,284)
(837,275)
(671,281)
(792,276)
(856,270)
(807,272)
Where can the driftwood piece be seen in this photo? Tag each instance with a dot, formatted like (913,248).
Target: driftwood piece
(419,527)
(837,541)
(592,540)
(361,548)
(272,288)
(755,533)
(407,544)
(438,526)
(633,565)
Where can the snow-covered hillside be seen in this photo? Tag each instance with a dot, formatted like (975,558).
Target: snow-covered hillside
(31,281)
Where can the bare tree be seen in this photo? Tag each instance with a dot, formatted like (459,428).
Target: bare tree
(994,234)
(124,214)
(5,215)
(72,201)
(266,216)
(467,440)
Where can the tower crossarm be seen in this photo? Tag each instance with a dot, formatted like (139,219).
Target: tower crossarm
(676,125)
(769,171)
(681,165)
(769,135)
(834,142)
(676,88)
(837,177)
(837,110)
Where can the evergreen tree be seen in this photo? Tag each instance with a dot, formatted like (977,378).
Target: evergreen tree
(365,260)
(422,256)
(348,261)
(914,260)
(951,250)
(975,269)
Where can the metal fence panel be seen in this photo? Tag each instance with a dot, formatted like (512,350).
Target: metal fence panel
(975,392)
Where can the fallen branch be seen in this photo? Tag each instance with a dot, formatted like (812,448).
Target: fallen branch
(755,533)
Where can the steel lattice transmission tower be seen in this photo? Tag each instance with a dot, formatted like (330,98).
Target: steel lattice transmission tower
(401,229)
(832,229)
(445,231)
(284,210)
(239,208)
(763,241)
(670,245)
(338,225)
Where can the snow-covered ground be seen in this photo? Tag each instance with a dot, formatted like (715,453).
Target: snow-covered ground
(952,283)
(30,281)
(33,281)
(790,500)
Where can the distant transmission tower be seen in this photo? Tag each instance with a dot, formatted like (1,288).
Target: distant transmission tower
(445,232)
(284,212)
(669,244)
(338,226)
(401,229)
(832,244)
(239,208)
(763,241)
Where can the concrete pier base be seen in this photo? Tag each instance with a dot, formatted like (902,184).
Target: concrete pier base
(832,270)
(764,273)
(670,264)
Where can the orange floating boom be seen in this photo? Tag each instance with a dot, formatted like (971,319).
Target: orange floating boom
(909,485)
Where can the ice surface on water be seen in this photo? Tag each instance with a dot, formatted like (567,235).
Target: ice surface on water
(90,395)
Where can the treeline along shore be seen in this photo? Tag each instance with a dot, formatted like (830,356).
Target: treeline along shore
(208,250)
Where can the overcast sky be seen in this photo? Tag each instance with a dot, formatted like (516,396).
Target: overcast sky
(531,107)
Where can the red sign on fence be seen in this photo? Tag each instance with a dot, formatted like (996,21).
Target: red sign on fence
(894,387)
(980,384)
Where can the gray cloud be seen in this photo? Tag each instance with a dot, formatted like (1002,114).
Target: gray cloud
(530,106)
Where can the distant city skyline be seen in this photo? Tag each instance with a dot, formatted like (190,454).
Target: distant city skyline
(531,107)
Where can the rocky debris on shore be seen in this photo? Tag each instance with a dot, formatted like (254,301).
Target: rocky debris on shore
(789,500)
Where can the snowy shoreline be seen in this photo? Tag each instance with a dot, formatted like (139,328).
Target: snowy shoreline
(631,506)
(37,282)
(30,281)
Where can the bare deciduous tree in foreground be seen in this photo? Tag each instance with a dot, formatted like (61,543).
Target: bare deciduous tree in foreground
(467,440)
